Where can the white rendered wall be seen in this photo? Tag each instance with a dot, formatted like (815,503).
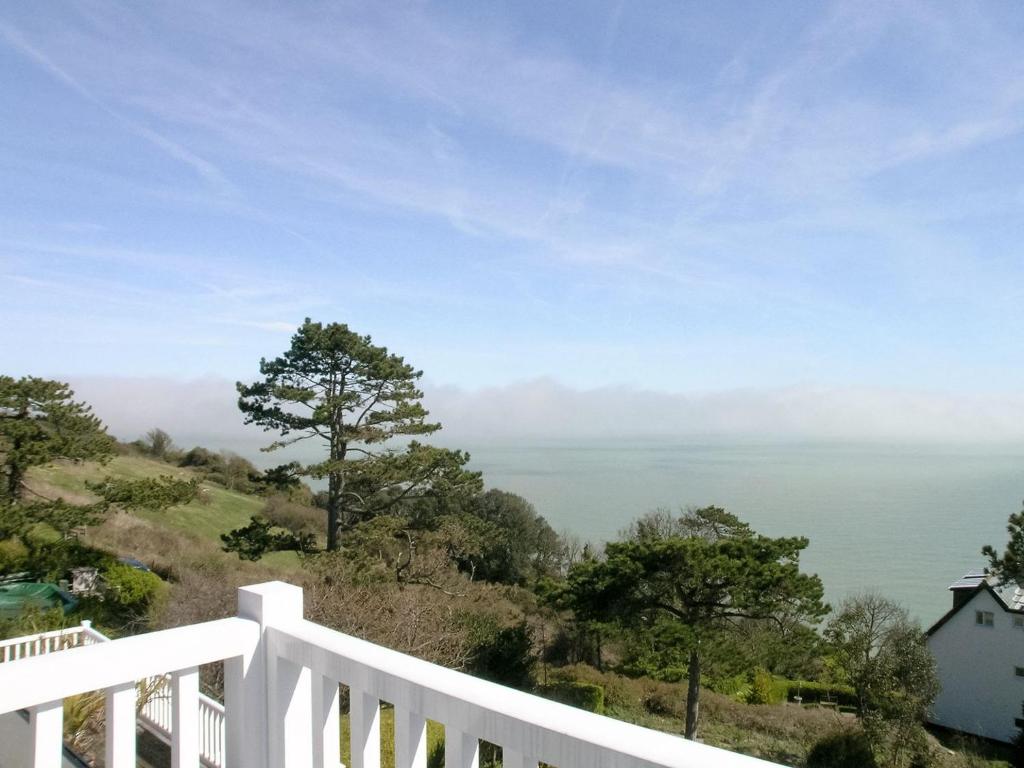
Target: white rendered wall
(980,692)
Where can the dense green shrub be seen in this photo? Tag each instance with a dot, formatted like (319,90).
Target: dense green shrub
(13,556)
(133,591)
(523,545)
(659,701)
(225,468)
(300,519)
(763,689)
(849,748)
(659,649)
(620,692)
(503,654)
(737,686)
(821,693)
(588,696)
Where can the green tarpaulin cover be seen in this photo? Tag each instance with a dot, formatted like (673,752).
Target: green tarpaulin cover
(14,598)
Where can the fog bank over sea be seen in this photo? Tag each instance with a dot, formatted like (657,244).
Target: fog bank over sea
(897,491)
(203,410)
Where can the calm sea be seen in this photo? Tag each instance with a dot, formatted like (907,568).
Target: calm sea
(904,520)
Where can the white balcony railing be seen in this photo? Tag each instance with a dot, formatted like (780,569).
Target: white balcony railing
(49,642)
(156,712)
(282,677)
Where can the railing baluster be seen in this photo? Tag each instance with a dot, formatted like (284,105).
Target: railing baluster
(326,723)
(364,724)
(410,739)
(461,750)
(120,746)
(185,718)
(208,748)
(47,723)
(290,714)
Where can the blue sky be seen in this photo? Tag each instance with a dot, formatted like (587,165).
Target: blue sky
(683,197)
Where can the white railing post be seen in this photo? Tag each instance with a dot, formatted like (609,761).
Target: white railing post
(185,718)
(364,729)
(284,708)
(47,723)
(326,723)
(245,694)
(120,714)
(410,739)
(461,750)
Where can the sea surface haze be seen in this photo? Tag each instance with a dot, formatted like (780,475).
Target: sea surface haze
(905,520)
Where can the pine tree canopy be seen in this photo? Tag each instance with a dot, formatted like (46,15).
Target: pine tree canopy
(335,387)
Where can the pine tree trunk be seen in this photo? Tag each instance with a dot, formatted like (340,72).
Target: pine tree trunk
(693,694)
(14,472)
(333,504)
(335,494)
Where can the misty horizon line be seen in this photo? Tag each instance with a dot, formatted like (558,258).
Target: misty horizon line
(204,409)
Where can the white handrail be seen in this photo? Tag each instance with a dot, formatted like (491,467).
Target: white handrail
(94,667)
(542,729)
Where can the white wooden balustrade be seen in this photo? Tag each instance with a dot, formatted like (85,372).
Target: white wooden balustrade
(49,642)
(282,675)
(156,713)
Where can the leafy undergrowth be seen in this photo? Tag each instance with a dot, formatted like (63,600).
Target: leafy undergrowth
(779,733)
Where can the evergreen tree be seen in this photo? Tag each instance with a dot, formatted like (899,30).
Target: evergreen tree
(711,573)
(337,388)
(1009,567)
(41,422)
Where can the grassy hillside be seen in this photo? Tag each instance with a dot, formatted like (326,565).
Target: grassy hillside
(217,511)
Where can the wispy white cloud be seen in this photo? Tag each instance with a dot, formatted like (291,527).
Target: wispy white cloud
(201,166)
(783,133)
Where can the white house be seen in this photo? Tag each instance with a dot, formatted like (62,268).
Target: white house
(979,653)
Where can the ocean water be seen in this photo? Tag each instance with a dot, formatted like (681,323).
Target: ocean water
(905,520)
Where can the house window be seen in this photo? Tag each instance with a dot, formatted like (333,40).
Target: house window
(1018,621)
(984,618)
(1018,671)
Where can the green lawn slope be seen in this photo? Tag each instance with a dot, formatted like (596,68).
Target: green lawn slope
(216,511)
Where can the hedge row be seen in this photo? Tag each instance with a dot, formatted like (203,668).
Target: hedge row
(588,696)
(817,693)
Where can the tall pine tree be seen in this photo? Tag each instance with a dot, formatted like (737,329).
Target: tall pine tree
(335,387)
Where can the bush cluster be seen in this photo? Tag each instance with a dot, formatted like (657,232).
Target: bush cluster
(588,696)
(134,591)
(847,748)
(821,693)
